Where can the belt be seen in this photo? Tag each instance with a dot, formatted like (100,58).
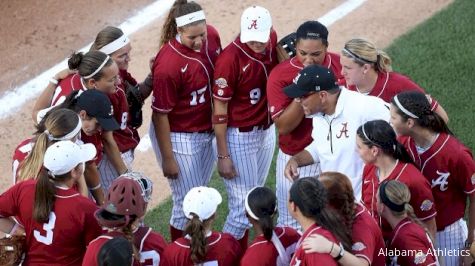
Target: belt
(252,128)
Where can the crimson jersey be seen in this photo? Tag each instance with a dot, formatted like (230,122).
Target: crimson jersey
(390,84)
(126,137)
(264,253)
(65,86)
(367,239)
(222,249)
(149,244)
(182,83)
(449,167)
(20,154)
(63,239)
(95,140)
(411,239)
(281,76)
(421,195)
(301,258)
(240,79)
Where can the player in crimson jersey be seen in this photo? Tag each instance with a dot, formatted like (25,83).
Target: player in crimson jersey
(368,70)
(294,129)
(445,162)
(201,245)
(408,233)
(244,133)
(387,159)
(181,131)
(116,251)
(272,245)
(58,221)
(366,236)
(308,205)
(122,215)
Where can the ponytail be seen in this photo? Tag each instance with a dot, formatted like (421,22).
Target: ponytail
(267,225)
(129,235)
(31,166)
(383,62)
(331,221)
(260,205)
(44,196)
(410,213)
(179,8)
(197,230)
(89,65)
(401,154)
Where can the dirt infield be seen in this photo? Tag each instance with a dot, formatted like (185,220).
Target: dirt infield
(38,34)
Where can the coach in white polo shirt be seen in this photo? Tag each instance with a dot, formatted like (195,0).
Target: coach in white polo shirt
(337,112)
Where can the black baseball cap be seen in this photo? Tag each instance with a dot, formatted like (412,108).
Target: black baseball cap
(311,78)
(116,251)
(97,104)
(312,29)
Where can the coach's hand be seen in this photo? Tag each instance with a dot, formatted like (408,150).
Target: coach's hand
(226,168)
(292,169)
(170,168)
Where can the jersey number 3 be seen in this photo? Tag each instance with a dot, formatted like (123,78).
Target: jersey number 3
(48,227)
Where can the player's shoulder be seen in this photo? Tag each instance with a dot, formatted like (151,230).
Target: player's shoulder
(212,32)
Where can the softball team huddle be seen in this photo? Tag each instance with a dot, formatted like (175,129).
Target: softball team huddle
(367,171)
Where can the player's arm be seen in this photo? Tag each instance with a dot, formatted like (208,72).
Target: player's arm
(319,244)
(302,158)
(112,151)
(91,175)
(162,133)
(146,86)
(44,101)
(225,164)
(290,118)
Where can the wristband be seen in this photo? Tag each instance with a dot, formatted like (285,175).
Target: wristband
(342,252)
(54,81)
(14,228)
(224,156)
(219,119)
(96,187)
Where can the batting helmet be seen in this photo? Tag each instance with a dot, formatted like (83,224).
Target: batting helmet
(128,195)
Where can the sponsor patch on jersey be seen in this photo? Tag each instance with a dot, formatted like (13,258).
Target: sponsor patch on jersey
(220,92)
(358,246)
(426,205)
(420,258)
(221,83)
(473,179)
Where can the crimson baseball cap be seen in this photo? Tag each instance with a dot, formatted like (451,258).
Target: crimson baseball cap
(312,30)
(311,78)
(97,104)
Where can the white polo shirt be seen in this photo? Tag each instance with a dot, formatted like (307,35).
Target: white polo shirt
(334,136)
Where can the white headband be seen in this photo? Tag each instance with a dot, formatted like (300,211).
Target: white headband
(68,136)
(98,69)
(115,45)
(190,18)
(246,205)
(404,110)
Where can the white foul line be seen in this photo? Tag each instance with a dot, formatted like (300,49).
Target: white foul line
(13,99)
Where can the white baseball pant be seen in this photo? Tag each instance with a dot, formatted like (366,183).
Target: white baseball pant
(195,156)
(283,186)
(107,171)
(251,153)
(450,239)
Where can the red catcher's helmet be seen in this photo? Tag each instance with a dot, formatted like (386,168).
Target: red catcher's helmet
(128,195)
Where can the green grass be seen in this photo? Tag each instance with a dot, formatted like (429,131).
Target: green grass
(438,54)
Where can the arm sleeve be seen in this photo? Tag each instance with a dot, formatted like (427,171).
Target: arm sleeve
(312,149)
(465,170)
(9,201)
(166,83)
(276,97)
(226,76)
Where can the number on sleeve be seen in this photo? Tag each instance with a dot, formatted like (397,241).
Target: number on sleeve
(150,255)
(48,227)
(198,94)
(123,123)
(255,95)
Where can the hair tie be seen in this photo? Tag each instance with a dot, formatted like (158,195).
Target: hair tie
(404,110)
(69,135)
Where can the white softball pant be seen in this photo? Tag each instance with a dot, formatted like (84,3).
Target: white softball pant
(452,238)
(107,171)
(195,156)
(251,153)
(283,186)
